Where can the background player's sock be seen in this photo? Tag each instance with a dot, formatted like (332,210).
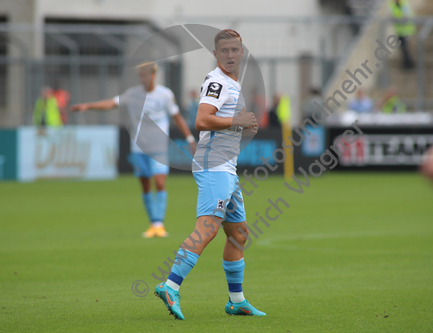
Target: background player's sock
(235,276)
(148,201)
(160,205)
(187,260)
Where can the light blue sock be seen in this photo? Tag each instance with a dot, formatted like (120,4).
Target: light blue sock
(235,276)
(184,262)
(160,205)
(149,204)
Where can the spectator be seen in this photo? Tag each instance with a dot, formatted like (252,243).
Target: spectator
(62,98)
(307,106)
(391,102)
(283,110)
(362,103)
(260,107)
(46,112)
(404,27)
(273,116)
(192,109)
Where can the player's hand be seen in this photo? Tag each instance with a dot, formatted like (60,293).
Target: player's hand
(79,107)
(245,119)
(250,131)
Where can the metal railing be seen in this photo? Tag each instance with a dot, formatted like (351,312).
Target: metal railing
(423,34)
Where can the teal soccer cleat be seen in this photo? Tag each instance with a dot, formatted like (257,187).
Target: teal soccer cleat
(170,298)
(242,309)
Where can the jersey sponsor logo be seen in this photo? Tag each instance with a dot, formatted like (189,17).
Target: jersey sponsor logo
(214,89)
(236,129)
(220,204)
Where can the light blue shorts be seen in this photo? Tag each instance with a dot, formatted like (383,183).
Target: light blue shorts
(218,195)
(146,167)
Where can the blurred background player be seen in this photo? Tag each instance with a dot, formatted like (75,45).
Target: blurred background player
(159,104)
(221,122)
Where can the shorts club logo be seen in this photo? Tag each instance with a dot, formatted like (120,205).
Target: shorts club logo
(220,204)
(214,90)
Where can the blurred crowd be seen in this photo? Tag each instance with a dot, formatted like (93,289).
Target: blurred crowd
(51,108)
(391,102)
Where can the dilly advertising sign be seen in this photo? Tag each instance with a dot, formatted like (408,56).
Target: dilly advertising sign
(79,152)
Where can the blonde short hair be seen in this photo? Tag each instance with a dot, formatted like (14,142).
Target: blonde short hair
(226,34)
(146,66)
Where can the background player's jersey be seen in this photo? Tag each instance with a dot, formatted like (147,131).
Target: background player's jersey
(219,150)
(159,105)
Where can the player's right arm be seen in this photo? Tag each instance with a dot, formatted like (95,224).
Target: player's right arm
(207,120)
(106,104)
(214,93)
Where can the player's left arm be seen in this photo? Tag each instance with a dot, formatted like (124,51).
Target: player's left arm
(181,124)
(173,110)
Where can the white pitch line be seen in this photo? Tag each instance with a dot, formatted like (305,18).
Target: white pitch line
(269,241)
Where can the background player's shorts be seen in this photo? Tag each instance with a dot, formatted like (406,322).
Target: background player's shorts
(146,167)
(215,189)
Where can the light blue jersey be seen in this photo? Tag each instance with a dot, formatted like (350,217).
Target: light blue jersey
(149,114)
(219,150)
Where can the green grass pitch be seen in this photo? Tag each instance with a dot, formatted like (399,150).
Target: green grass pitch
(354,253)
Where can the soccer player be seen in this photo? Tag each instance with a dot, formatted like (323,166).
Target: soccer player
(158,103)
(221,118)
